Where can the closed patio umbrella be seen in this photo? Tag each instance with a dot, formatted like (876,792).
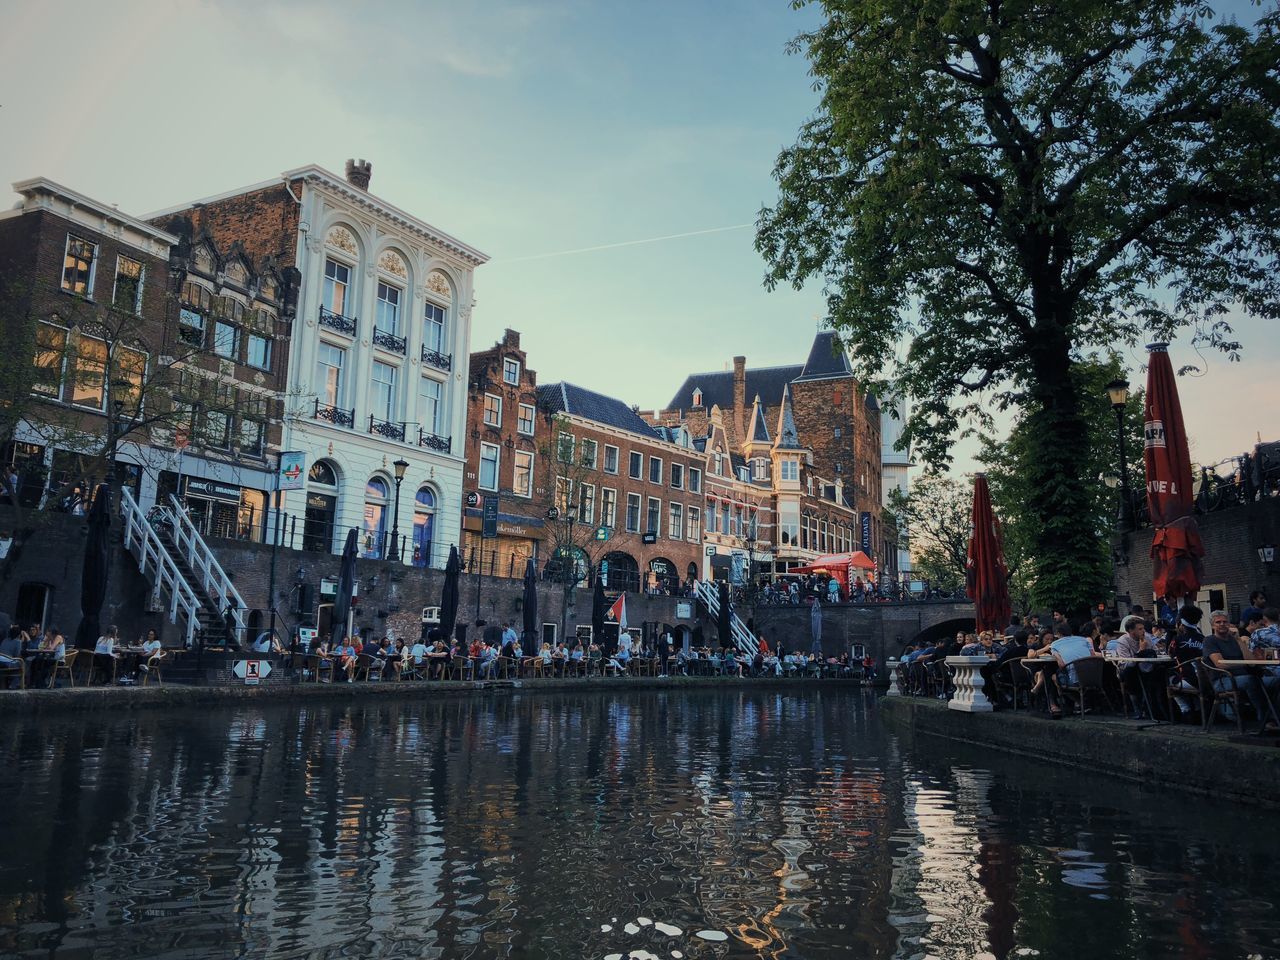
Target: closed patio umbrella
(346,587)
(986,576)
(815,626)
(599,607)
(1176,547)
(530,608)
(722,620)
(97,567)
(449,595)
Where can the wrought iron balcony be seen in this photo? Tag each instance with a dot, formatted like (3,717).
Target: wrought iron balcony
(388,341)
(336,321)
(335,415)
(390,429)
(432,442)
(441,361)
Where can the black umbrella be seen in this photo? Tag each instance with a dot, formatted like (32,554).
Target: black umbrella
(530,608)
(97,566)
(449,595)
(599,607)
(346,587)
(722,621)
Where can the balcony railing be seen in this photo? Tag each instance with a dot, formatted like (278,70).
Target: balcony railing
(432,442)
(390,429)
(441,361)
(335,415)
(388,341)
(336,321)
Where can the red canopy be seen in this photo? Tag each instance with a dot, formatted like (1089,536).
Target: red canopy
(838,565)
(986,576)
(1176,548)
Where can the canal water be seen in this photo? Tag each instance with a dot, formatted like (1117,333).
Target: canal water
(698,824)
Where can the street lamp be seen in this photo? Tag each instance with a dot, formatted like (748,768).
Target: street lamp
(1118,391)
(400,466)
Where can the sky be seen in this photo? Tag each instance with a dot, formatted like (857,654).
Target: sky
(526,129)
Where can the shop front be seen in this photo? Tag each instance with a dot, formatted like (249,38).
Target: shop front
(519,540)
(218,508)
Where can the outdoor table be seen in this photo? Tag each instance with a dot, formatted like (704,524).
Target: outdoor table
(1152,661)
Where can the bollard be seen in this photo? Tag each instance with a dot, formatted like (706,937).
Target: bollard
(891,666)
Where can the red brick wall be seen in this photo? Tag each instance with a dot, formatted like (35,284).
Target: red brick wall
(264,221)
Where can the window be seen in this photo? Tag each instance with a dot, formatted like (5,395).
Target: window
(675,525)
(677,476)
(790,531)
(492,410)
(387,318)
(433,327)
(511,371)
(217,429)
(226,340)
(424,509)
(251,434)
(586,503)
(724,519)
(337,277)
(715,464)
(693,529)
(522,480)
(837,432)
(329,374)
(610,459)
(712,525)
(384,391)
(525,422)
(790,470)
(258,353)
(191,327)
(633,513)
(653,518)
(131,370)
(429,404)
(757,469)
(375,518)
(564,495)
(489,466)
(636,465)
(127,293)
(564,447)
(736,528)
(695,480)
(88,373)
(608,507)
(655,470)
(51,346)
(589,448)
(77,266)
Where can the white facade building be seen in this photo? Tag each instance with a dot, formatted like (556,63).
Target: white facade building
(895,470)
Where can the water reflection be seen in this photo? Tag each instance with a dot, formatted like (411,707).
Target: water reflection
(522,827)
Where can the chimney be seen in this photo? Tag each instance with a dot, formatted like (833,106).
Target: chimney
(359,172)
(739,396)
(511,338)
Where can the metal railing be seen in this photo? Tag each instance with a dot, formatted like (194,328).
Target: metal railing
(336,321)
(338,416)
(213,579)
(743,639)
(434,358)
(433,442)
(141,539)
(388,429)
(388,341)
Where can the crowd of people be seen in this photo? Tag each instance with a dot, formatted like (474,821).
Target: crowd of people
(32,656)
(1154,670)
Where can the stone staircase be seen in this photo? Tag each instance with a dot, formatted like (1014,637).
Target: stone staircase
(743,639)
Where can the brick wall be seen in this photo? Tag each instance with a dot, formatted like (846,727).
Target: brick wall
(265,222)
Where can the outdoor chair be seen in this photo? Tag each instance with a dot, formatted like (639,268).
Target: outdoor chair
(506,667)
(152,669)
(1211,698)
(1090,677)
(64,668)
(368,667)
(7,673)
(319,666)
(103,665)
(1013,678)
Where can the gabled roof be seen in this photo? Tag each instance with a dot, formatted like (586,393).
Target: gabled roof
(827,359)
(717,387)
(581,402)
(787,437)
(759,430)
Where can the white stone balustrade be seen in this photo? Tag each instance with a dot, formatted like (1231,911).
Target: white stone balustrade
(968,697)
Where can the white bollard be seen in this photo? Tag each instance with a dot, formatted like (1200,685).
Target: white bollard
(968,697)
(891,665)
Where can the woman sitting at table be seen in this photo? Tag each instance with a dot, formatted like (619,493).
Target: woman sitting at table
(11,650)
(729,664)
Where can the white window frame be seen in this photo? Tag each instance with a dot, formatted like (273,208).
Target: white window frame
(677,476)
(790,470)
(497,465)
(389,411)
(431,322)
(433,427)
(515,464)
(326,281)
(508,363)
(695,480)
(651,513)
(251,335)
(136,309)
(586,497)
(635,465)
(693,525)
(566,443)
(658,461)
(530,420)
(616,460)
(675,520)
(485,410)
(639,504)
(589,463)
(608,507)
(93,267)
(393,305)
(322,386)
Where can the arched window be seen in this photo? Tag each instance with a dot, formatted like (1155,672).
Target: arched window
(435,317)
(322,472)
(424,517)
(321,508)
(374,534)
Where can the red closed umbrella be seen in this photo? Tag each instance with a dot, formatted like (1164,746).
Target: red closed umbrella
(986,576)
(1176,548)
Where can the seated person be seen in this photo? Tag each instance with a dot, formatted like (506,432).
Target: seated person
(418,655)
(1265,641)
(487,664)
(1222,645)
(106,645)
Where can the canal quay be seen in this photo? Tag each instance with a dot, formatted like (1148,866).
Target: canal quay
(741,820)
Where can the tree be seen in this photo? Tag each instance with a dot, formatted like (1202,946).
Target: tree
(936,511)
(1010,186)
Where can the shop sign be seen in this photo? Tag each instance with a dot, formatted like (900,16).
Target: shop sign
(660,567)
(490,527)
(473,500)
(684,610)
(293,470)
(212,490)
(866,532)
(512,530)
(711,551)
(649,538)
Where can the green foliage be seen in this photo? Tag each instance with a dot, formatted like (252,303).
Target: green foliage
(1008,187)
(936,514)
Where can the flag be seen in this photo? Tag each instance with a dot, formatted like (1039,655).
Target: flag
(618,612)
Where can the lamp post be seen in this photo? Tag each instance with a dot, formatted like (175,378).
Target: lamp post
(400,466)
(571,571)
(1118,391)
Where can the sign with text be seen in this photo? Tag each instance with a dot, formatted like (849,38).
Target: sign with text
(293,470)
(866,532)
(473,499)
(490,528)
(212,490)
(252,672)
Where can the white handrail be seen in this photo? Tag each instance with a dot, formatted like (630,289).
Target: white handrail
(141,540)
(213,578)
(743,638)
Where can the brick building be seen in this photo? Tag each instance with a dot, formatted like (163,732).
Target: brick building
(818,468)
(374,397)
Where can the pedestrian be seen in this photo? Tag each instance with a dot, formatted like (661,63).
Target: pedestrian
(664,652)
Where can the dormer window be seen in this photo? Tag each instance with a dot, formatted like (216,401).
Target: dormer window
(697,397)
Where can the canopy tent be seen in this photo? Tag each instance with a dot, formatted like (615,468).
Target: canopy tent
(843,567)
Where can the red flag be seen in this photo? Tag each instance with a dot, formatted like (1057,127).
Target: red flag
(618,612)
(1176,547)
(986,576)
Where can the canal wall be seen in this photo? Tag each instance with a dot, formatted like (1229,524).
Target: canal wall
(1169,757)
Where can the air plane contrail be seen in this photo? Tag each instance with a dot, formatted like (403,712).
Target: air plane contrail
(624,243)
